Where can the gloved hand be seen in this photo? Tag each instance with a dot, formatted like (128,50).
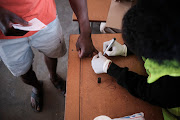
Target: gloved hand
(117,49)
(100,63)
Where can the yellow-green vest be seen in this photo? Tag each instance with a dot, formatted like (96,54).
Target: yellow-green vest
(156,70)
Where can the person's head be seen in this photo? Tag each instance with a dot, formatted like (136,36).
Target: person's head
(152,34)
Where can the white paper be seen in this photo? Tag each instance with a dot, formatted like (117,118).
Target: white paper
(36,25)
(137,116)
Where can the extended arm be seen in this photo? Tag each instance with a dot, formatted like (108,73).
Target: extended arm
(163,92)
(84,43)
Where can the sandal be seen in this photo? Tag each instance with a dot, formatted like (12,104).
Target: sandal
(59,84)
(38,98)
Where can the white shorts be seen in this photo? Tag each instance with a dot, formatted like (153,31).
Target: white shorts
(18,56)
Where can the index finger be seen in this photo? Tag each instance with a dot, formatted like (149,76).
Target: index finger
(19,20)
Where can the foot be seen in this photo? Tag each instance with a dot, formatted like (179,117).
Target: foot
(59,83)
(37,98)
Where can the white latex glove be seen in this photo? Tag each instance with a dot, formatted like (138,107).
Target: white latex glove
(117,49)
(100,63)
(102,117)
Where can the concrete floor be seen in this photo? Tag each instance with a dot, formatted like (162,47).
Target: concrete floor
(15,95)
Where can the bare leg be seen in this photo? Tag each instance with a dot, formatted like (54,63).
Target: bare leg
(31,79)
(52,66)
(57,81)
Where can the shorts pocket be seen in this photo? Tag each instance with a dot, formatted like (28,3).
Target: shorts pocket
(17,57)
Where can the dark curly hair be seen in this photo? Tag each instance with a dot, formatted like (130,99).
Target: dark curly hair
(152,33)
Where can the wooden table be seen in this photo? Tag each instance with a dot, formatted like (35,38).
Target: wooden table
(97,10)
(86,99)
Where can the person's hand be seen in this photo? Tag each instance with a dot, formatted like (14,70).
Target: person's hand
(84,43)
(100,64)
(117,49)
(7,19)
(85,46)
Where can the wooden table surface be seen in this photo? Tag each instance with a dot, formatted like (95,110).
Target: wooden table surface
(97,10)
(86,99)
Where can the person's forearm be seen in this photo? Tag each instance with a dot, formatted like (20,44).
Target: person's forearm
(80,9)
(162,92)
(84,44)
(127,79)
(129,52)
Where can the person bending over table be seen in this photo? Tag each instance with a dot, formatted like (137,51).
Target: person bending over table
(156,41)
